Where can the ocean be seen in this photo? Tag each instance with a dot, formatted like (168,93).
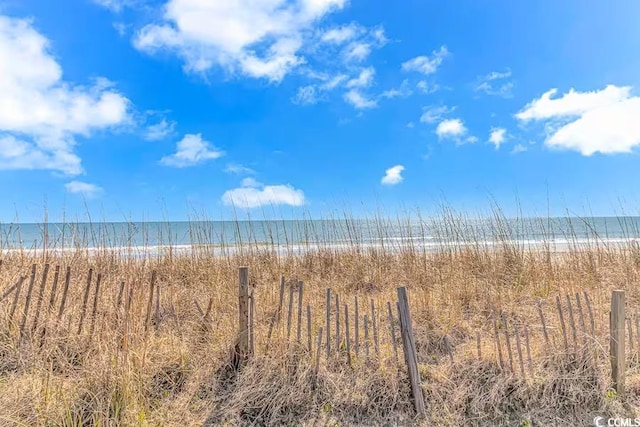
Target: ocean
(300,235)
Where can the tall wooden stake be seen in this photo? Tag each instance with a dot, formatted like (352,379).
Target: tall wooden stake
(152,286)
(356,326)
(299,331)
(409,346)
(328,325)
(243,314)
(616,344)
(346,333)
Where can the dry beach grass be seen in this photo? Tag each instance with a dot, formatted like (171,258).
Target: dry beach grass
(109,367)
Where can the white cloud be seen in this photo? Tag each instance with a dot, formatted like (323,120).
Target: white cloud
(364,79)
(393,175)
(250,182)
(115,5)
(238,169)
(314,93)
(83,188)
(497,136)
(401,92)
(424,87)
(604,121)
(190,151)
(340,35)
(334,82)
(433,114)
(519,148)
(357,51)
(160,130)
(359,101)
(426,64)
(120,28)
(306,95)
(253,194)
(496,83)
(261,39)
(451,128)
(40,114)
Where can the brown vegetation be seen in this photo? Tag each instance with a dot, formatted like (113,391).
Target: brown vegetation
(130,355)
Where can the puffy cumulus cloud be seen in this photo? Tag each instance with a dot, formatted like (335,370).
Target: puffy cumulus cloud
(604,121)
(257,38)
(83,188)
(455,130)
(451,128)
(190,151)
(253,194)
(426,64)
(498,136)
(268,39)
(393,175)
(41,114)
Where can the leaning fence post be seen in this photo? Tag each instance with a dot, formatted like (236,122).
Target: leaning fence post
(544,324)
(243,313)
(409,347)
(564,329)
(27,303)
(616,343)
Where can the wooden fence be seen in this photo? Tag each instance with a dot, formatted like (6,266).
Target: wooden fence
(351,333)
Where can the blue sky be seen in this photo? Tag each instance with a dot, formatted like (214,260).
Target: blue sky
(133,109)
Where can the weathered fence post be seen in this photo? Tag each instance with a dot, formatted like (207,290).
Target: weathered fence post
(275,320)
(393,332)
(356,326)
(328,326)
(299,330)
(409,346)
(496,337)
(290,312)
(243,312)
(346,332)
(149,301)
(616,344)
(564,329)
(43,285)
(374,326)
(309,337)
(27,303)
(544,324)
